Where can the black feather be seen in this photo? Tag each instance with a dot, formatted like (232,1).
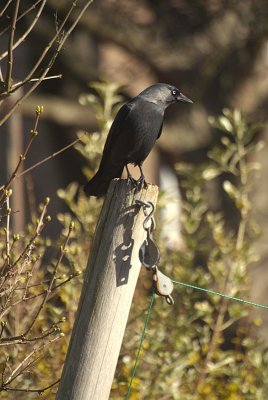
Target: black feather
(136,127)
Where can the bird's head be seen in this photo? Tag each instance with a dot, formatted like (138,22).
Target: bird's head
(163,94)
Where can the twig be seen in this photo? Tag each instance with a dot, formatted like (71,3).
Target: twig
(27,286)
(37,64)
(5,7)
(8,80)
(21,339)
(7,309)
(4,273)
(51,61)
(3,371)
(8,229)
(19,370)
(3,325)
(23,156)
(15,175)
(215,335)
(39,228)
(22,15)
(29,276)
(48,291)
(45,159)
(213,344)
(11,376)
(49,157)
(39,391)
(18,84)
(27,32)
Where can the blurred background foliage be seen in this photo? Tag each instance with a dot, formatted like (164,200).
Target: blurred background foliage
(216,53)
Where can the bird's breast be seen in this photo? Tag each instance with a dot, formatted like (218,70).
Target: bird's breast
(138,133)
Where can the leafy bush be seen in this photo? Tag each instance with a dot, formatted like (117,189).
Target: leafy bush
(205,346)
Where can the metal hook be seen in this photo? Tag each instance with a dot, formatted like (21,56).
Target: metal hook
(148,221)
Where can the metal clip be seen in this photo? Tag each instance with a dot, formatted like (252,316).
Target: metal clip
(149,222)
(150,255)
(164,285)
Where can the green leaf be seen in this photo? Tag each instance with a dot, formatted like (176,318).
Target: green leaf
(210,173)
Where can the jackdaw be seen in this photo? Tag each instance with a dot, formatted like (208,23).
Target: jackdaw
(136,127)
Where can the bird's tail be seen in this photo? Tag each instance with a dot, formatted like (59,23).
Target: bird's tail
(99,184)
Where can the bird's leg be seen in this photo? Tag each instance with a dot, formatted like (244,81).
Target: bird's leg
(130,177)
(141,181)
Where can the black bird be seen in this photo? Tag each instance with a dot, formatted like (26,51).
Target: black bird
(136,127)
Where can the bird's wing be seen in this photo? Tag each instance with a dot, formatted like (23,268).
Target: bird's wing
(119,120)
(160,131)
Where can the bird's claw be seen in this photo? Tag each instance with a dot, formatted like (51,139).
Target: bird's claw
(141,182)
(131,180)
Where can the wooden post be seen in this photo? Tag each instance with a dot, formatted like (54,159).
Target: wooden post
(109,284)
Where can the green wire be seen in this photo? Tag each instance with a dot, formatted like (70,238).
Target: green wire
(140,346)
(251,303)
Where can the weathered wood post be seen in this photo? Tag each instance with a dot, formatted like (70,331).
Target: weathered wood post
(110,279)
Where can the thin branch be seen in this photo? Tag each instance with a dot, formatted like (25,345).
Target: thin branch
(8,80)
(22,15)
(27,250)
(19,370)
(18,84)
(29,276)
(21,339)
(3,371)
(24,155)
(27,32)
(214,342)
(5,7)
(40,226)
(29,365)
(39,391)
(8,230)
(11,376)
(48,291)
(46,159)
(38,294)
(50,63)
(3,325)
(26,287)
(41,58)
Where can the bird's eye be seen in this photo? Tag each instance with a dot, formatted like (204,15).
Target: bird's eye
(174,92)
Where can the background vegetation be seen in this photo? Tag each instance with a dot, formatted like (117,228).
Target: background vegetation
(204,346)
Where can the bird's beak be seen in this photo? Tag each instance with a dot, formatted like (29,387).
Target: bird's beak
(181,97)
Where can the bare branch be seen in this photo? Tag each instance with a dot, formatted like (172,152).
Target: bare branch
(34,296)
(48,291)
(5,272)
(32,7)
(8,229)
(27,32)
(18,84)
(3,324)
(21,368)
(21,339)
(13,373)
(45,160)
(39,391)
(48,158)
(5,7)
(8,80)
(23,156)
(51,61)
